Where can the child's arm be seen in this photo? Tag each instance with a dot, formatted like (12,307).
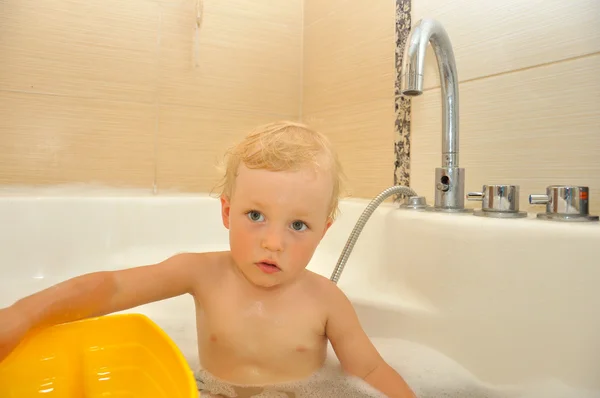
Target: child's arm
(101,293)
(355,351)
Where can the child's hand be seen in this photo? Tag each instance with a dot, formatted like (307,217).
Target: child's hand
(13,326)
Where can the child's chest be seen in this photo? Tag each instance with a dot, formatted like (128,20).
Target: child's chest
(284,325)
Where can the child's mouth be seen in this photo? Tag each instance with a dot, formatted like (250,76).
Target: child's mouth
(267,268)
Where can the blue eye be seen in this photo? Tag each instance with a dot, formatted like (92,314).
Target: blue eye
(299,226)
(255,216)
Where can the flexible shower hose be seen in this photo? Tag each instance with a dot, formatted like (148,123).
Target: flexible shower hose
(397,189)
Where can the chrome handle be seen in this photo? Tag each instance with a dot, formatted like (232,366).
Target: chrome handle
(443,187)
(497,197)
(475,196)
(498,200)
(539,199)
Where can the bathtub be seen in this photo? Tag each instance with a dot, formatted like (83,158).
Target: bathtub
(460,305)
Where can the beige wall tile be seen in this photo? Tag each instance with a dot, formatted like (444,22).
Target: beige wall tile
(349,56)
(47,139)
(363,135)
(491,37)
(193,140)
(92,49)
(248,55)
(317,9)
(348,88)
(142,51)
(533,128)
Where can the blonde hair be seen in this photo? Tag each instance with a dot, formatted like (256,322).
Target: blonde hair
(283,146)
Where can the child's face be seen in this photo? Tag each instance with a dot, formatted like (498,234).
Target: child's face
(276,217)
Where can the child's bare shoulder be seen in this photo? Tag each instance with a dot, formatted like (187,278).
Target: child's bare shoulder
(205,260)
(204,268)
(333,299)
(324,288)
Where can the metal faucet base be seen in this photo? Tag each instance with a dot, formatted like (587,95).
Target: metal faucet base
(418,203)
(500,214)
(567,217)
(449,210)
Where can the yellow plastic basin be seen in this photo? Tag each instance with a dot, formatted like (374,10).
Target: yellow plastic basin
(123,355)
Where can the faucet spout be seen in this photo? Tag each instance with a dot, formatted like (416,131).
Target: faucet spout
(449,178)
(413,65)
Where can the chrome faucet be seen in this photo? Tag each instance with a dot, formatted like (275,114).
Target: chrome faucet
(449,179)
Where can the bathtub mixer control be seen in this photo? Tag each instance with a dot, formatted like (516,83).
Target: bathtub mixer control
(498,201)
(564,203)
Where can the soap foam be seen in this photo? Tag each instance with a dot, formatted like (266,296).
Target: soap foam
(327,382)
(429,374)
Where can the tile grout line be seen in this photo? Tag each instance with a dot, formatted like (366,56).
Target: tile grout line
(330,13)
(8,90)
(523,69)
(156,107)
(151,103)
(301,102)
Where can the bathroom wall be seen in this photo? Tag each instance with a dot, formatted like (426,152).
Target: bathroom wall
(348,86)
(132,93)
(529,95)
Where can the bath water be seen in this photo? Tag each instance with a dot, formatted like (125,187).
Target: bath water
(429,373)
(433,375)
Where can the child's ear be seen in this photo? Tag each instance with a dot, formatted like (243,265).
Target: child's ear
(327,225)
(225,207)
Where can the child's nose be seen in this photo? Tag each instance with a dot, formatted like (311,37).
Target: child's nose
(272,240)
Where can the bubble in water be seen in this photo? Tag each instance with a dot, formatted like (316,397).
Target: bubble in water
(327,382)
(429,374)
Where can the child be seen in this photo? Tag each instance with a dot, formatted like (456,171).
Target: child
(262,318)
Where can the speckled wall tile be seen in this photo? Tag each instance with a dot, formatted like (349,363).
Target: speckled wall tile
(402,125)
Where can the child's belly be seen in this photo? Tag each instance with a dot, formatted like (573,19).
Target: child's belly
(259,364)
(258,355)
